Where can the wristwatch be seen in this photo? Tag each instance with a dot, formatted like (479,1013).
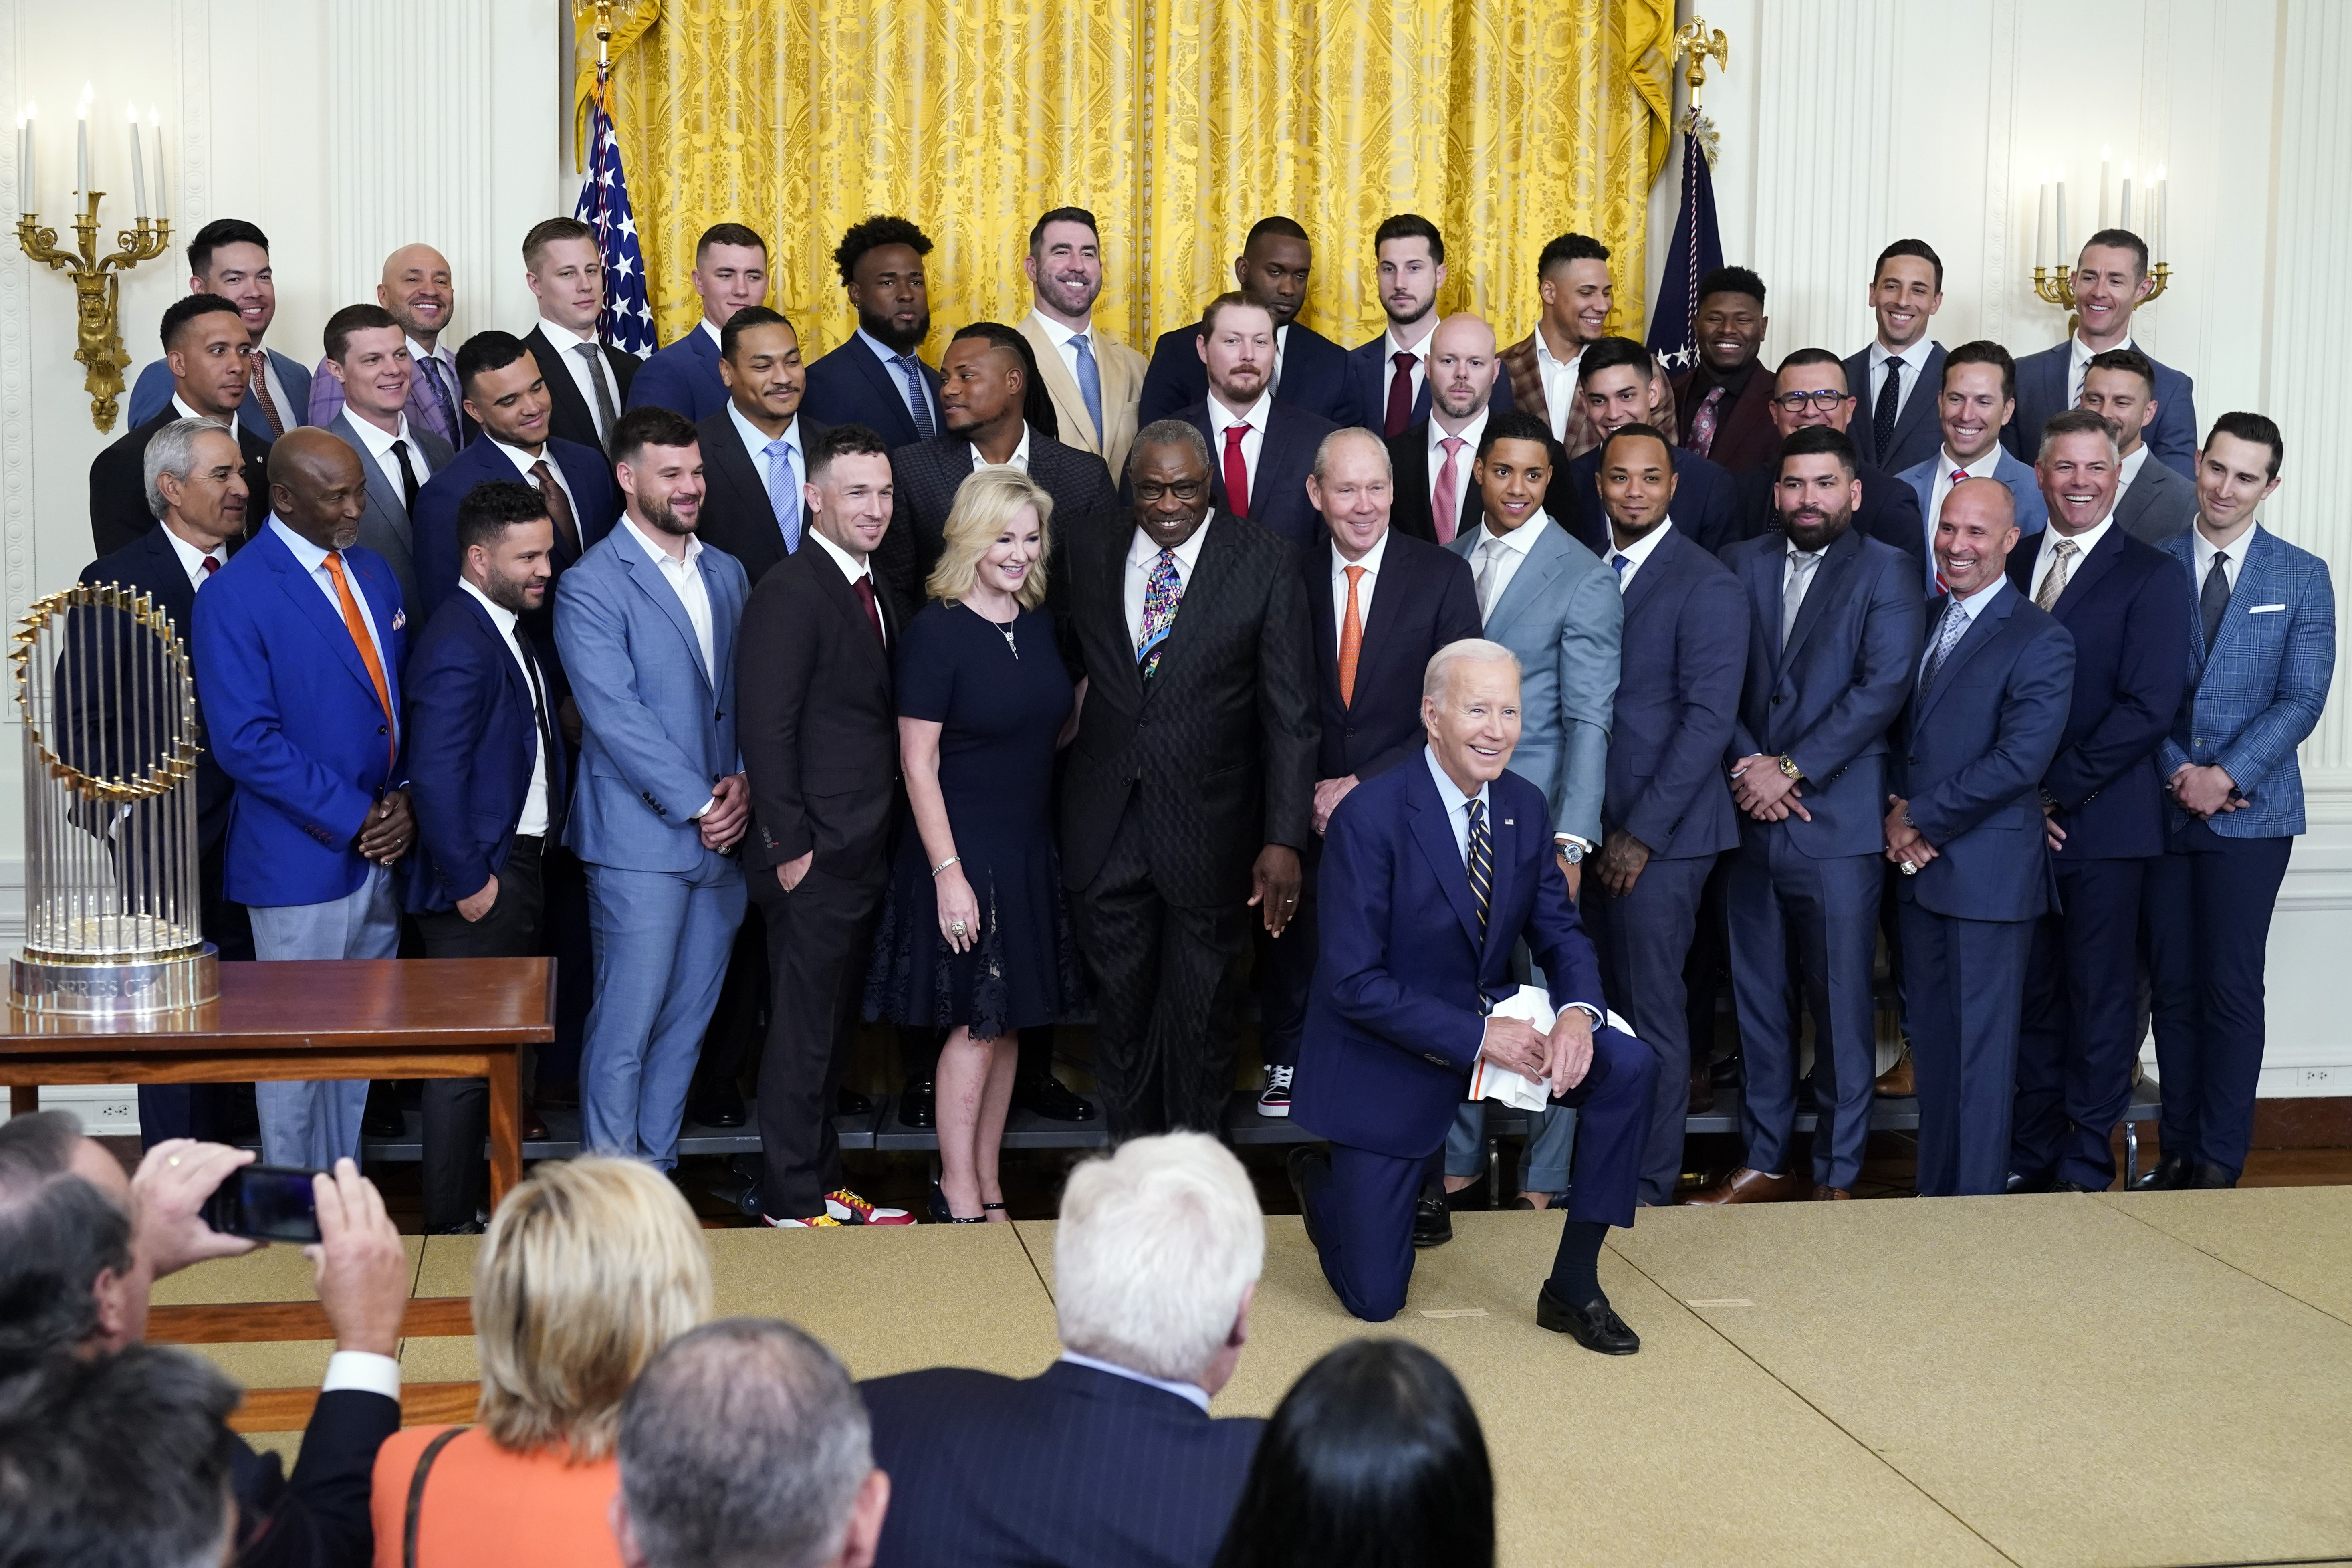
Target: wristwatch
(1788,766)
(1568,848)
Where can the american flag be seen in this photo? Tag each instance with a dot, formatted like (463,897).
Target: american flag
(628,321)
(1696,251)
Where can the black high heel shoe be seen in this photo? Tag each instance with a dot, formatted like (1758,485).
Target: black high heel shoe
(942,1214)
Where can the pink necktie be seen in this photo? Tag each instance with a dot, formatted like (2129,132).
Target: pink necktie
(1441,499)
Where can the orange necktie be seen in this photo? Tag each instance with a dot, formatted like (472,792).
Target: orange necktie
(357,625)
(1351,640)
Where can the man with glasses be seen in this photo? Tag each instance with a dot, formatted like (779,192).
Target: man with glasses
(1812,392)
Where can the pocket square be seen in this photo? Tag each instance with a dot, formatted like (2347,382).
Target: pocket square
(2265,609)
(399,619)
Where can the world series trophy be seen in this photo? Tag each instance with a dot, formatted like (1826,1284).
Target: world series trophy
(112,896)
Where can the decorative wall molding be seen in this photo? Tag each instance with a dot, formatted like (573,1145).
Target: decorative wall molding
(17,548)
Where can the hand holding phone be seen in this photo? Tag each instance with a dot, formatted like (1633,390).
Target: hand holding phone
(266,1203)
(170,1199)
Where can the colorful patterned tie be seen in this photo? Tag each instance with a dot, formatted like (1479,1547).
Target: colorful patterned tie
(1482,861)
(1703,422)
(1351,639)
(1399,409)
(2053,581)
(1161,595)
(783,491)
(1443,499)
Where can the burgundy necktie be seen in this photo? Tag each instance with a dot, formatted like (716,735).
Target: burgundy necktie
(1400,410)
(1703,423)
(873,610)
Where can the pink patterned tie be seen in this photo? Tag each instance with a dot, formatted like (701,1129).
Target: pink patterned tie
(1703,423)
(1441,500)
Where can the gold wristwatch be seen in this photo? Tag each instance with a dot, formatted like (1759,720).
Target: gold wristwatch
(1788,766)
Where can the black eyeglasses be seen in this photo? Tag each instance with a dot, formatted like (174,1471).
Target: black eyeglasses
(1825,400)
(1186,490)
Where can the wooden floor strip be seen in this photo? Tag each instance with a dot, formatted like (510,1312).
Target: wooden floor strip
(252,1322)
(289,1409)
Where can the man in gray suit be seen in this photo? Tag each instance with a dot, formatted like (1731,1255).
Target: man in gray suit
(367,354)
(2154,504)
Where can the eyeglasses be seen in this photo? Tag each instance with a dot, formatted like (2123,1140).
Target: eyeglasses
(1825,400)
(1186,490)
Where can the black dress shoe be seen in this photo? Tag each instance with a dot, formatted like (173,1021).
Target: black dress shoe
(1306,1166)
(2063,1186)
(471,1227)
(2171,1173)
(720,1105)
(2211,1178)
(2018,1183)
(1043,1094)
(1594,1325)
(1432,1222)
(849,1102)
(917,1105)
(382,1117)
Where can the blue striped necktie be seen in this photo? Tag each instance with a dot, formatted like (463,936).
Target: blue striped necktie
(1482,862)
(783,491)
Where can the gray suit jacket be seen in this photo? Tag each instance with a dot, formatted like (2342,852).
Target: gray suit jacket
(385,527)
(1563,616)
(2159,506)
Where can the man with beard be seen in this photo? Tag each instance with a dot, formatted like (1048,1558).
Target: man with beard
(1832,635)
(875,379)
(491,774)
(1436,498)
(731,273)
(1261,448)
(1095,381)
(230,257)
(1387,378)
(1573,282)
(646,621)
(1309,370)
(1613,377)
(417,290)
(1723,403)
(1811,391)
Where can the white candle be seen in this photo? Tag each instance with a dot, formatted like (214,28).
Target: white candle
(24,165)
(2162,217)
(29,180)
(2103,187)
(138,171)
(2061,259)
(81,154)
(2040,218)
(162,184)
(2125,221)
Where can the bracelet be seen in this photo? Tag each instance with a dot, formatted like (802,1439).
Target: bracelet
(945,864)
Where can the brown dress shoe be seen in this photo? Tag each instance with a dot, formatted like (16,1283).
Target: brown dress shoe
(1747,1186)
(1898,1082)
(1825,1194)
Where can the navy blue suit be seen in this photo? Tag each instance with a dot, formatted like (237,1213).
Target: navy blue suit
(1397,1017)
(2126,606)
(2042,394)
(1277,481)
(1684,651)
(1824,699)
(1076,1466)
(1973,748)
(1706,502)
(1918,436)
(1314,375)
(851,387)
(682,378)
(1369,370)
(595,507)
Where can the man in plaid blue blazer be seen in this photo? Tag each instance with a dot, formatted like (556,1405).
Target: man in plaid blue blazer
(2261,651)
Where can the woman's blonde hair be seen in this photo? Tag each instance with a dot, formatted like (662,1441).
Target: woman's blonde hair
(984,507)
(589,1267)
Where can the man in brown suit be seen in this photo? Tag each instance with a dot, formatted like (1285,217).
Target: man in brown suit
(1572,279)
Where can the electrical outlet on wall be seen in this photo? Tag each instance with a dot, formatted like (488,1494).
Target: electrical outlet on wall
(2324,1080)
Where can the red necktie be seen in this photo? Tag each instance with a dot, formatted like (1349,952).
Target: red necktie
(1441,500)
(873,610)
(211,565)
(1400,410)
(1236,471)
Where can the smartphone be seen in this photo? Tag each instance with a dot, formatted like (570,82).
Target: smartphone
(268,1203)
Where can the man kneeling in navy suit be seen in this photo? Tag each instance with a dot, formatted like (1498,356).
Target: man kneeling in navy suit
(1431,873)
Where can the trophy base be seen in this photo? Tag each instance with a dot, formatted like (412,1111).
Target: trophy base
(113,989)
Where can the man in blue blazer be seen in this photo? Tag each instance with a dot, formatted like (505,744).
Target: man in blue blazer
(297,649)
(1111,1455)
(1387,386)
(2110,279)
(1896,427)
(1310,370)
(646,621)
(1613,377)
(1260,448)
(875,379)
(1976,398)
(2126,608)
(1833,640)
(1965,824)
(230,257)
(491,776)
(1431,873)
(2261,653)
(1666,813)
(731,271)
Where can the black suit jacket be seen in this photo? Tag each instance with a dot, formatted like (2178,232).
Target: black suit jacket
(1744,433)
(927,476)
(1409,510)
(1285,455)
(118,484)
(1077,1467)
(1423,598)
(1220,744)
(1889,511)
(851,386)
(570,416)
(1314,375)
(817,720)
(320,1519)
(735,516)
(1705,507)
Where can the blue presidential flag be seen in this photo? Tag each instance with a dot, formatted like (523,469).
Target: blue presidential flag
(1698,250)
(627,322)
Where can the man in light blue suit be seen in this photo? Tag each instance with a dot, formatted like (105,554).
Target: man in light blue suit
(2110,279)
(230,257)
(2261,653)
(646,621)
(731,271)
(297,645)
(1977,396)
(367,354)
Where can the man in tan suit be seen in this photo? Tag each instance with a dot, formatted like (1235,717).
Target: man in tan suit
(1572,278)
(1095,381)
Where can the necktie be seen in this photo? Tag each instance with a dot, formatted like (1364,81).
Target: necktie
(1703,422)
(1351,639)
(1162,592)
(1793,592)
(1617,563)
(1236,471)
(1481,861)
(261,395)
(783,492)
(1490,563)
(430,369)
(918,397)
(1955,623)
(1089,381)
(2213,599)
(357,625)
(2053,581)
(594,355)
(408,485)
(558,505)
(549,758)
(873,610)
(1890,399)
(212,565)
(1442,505)
(1399,409)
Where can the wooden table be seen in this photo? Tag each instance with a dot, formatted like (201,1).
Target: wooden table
(314,1018)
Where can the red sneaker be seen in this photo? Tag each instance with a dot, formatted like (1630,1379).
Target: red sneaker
(847,1207)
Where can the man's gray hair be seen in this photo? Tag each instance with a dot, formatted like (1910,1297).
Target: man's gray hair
(2079,421)
(1158,1246)
(174,452)
(744,1445)
(1469,650)
(1324,449)
(1168,433)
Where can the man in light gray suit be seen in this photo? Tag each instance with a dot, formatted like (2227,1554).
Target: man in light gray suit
(1547,599)
(646,623)
(367,354)
(2154,503)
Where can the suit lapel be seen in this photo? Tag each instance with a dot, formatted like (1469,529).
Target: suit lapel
(1764,570)
(326,619)
(1653,571)
(655,587)
(1504,831)
(1836,562)
(1531,584)
(1981,630)
(1917,402)
(2253,582)
(1210,569)
(2084,577)
(382,497)
(1063,387)
(1436,836)
(1112,596)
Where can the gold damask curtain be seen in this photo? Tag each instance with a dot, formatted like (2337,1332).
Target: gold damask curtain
(1178,122)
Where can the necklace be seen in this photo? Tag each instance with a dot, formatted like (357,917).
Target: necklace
(1004,630)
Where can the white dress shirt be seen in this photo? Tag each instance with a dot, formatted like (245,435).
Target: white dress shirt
(1559,385)
(1020,458)
(1635,555)
(365,1371)
(1418,348)
(192,562)
(523,460)
(1915,365)
(378,442)
(314,562)
(1190,1392)
(585,370)
(685,579)
(1969,609)
(1143,555)
(755,447)
(1221,419)
(1457,805)
(854,569)
(1463,457)
(1281,345)
(712,333)
(1365,585)
(2232,554)
(533,821)
(2078,363)
(1500,556)
(180,407)
(2083,543)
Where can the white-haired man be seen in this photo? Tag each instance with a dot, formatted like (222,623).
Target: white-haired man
(1111,1455)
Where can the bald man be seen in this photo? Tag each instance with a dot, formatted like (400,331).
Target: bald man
(417,290)
(1434,458)
(298,642)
